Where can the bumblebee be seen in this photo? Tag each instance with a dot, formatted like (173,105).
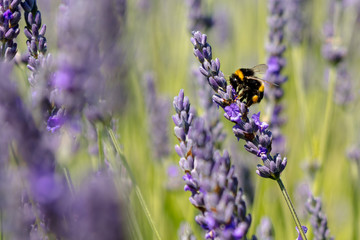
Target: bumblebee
(248,87)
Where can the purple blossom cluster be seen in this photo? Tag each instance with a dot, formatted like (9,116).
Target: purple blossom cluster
(209,177)
(36,41)
(9,28)
(276,62)
(256,134)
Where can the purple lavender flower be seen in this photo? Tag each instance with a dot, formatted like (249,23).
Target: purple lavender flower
(318,219)
(276,63)
(158,111)
(209,176)
(258,138)
(36,41)
(9,28)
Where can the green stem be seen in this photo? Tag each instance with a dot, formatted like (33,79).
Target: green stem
(291,207)
(137,189)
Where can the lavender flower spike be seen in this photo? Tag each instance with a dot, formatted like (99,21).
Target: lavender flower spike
(258,138)
(209,176)
(9,28)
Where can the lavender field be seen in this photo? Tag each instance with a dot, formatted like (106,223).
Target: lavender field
(145,119)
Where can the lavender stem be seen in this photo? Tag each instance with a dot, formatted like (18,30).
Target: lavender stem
(137,189)
(291,208)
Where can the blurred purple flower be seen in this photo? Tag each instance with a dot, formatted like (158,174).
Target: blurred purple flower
(45,187)
(98,212)
(198,20)
(318,219)
(90,60)
(344,93)
(276,62)
(332,49)
(295,15)
(158,113)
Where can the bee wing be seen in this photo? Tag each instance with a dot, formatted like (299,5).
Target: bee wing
(262,80)
(260,69)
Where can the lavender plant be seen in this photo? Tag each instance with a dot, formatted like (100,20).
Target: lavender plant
(35,33)
(209,177)
(276,63)
(258,138)
(9,28)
